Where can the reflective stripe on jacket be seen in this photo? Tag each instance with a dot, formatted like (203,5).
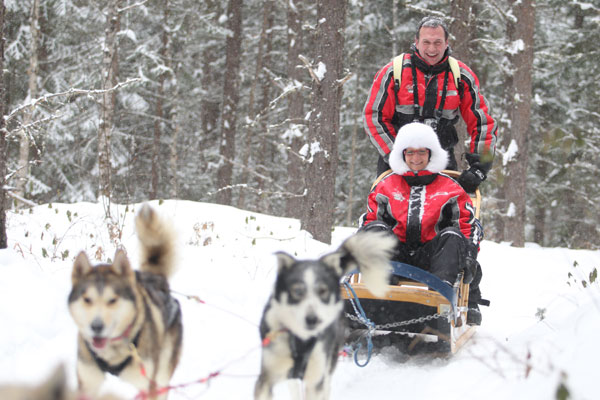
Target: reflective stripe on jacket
(417,213)
(383,115)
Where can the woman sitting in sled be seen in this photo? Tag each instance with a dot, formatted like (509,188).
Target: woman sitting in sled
(428,211)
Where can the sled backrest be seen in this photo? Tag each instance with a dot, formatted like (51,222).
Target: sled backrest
(475,197)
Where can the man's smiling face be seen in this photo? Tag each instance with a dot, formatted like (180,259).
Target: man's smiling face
(431,44)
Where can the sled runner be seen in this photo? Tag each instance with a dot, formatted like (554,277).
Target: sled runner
(419,313)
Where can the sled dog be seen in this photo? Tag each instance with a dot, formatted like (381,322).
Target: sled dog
(54,387)
(302,327)
(129,325)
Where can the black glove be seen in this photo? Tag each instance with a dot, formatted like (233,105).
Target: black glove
(471,178)
(376,226)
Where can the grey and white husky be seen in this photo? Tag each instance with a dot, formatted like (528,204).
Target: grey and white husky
(302,327)
(125,316)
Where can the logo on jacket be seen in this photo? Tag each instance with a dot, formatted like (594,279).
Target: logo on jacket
(398,196)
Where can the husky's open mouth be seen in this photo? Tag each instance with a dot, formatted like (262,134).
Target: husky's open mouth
(99,342)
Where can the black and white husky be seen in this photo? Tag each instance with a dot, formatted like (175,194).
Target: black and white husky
(302,327)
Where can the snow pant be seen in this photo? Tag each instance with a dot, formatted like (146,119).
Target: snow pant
(445,256)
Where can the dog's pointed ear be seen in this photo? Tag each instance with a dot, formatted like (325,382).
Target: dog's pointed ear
(121,265)
(342,259)
(369,253)
(81,266)
(333,260)
(284,260)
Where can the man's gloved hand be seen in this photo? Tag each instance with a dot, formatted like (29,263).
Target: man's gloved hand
(471,178)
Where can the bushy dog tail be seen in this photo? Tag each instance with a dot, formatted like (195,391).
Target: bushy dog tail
(370,253)
(157,242)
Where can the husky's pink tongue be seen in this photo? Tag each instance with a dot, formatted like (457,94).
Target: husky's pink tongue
(99,342)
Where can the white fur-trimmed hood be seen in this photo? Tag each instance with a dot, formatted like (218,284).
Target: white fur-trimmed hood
(417,135)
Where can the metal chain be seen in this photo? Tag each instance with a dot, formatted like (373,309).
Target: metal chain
(408,322)
(400,323)
(372,327)
(358,317)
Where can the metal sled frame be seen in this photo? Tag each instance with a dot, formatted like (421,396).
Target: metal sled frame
(439,311)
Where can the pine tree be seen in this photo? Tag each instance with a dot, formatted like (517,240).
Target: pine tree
(324,129)
(3,153)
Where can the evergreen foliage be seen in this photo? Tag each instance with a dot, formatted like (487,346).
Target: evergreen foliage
(562,205)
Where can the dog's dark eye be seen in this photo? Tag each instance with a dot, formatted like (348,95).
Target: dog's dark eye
(87,300)
(323,292)
(112,301)
(297,291)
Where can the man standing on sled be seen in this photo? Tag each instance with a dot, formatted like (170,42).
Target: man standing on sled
(429,85)
(429,212)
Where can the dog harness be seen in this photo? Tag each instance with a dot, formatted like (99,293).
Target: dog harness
(113,369)
(173,309)
(301,351)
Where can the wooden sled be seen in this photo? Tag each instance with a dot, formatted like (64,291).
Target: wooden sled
(423,312)
(420,312)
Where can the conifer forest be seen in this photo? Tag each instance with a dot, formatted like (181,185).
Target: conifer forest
(258,104)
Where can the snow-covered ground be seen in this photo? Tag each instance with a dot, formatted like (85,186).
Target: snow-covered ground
(540,331)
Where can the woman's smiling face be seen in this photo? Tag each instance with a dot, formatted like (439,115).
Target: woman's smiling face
(416,159)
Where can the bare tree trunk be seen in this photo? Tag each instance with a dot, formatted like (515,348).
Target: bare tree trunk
(158,118)
(515,184)
(461,29)
(174,157)
(175,124)
(394,26)
(264,164)
(32,73)
(110,75)
(296,128)
(251,129)
(3,153)
(209,105)
(358,106)
(325,120)
(230,101)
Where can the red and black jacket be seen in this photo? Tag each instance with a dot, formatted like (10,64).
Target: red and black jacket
(388,108)
(419,205)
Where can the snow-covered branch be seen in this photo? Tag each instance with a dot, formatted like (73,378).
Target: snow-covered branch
(311,71)
(140,3)
(345,79)
(70,92)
